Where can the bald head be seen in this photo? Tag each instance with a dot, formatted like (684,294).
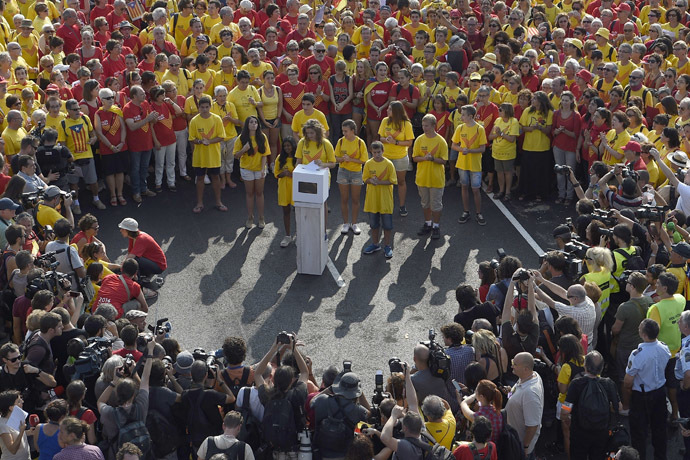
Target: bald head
(577,293)
(524,360)
(421,353)
(594,363)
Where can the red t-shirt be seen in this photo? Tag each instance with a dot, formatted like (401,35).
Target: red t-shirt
(112,291)
(97,54)
(71,36)
(133,42)
(292,98)
(279,51)
(114,67)
(244,43)
(88,416)
(572,123)
(114,20)
(79,236)
(379,95)
(531,83)
(164,126)
(464,452)
(327,67)
(298,37)
(409,94)
(320,103)
(145,246)
(180,122)
(97,12)
(101,38)
(112,129)
(66,94)
(136,354)
(146,66)
(143,134)
(3,182)
(487,114)
(292,20)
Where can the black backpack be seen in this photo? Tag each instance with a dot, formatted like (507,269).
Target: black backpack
(234,452)
(251,427)
(432,450)
(278,424)
(475,452)
(198,424)
(132,430)
(236,385)
(335,433)
(163,432)
(593,407)
(509,445)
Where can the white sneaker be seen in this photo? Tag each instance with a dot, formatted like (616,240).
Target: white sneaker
(285,242)
(345,229)
(207,180)
(355,229)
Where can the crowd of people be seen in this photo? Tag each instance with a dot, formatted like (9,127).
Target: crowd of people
(584,102)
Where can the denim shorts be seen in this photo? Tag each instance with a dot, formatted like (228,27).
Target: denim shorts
(401,164)
(359,110)
(453,157)
(347,177)
(263,125)
(376,219)
(471,178)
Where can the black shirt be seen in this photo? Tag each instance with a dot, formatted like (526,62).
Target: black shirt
(578,385)
(200,408)
(59,346)
(486,310)
(563,281)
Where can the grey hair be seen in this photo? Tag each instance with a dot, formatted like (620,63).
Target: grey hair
(159,13)
(225,11)
(594,362)
(685,318)
(109,367)
(433,408)
(105,92)
(219,90)
(106,310)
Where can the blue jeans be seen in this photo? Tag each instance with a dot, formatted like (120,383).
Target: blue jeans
(139,170)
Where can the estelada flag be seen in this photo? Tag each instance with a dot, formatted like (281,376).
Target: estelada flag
(135,10)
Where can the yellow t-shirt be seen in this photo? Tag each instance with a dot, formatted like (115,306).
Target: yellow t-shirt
(470,137)
(285,182)
(617,141)
(206,156)
(208,22)
(29,49)
(47,215)
(257,71)
(430,173)
(222,111)
(300,119)
(566,375)
(241,100)
(501,149)
(363,50)
(356,149)
(392,151)
(13,140)
(207,77)
(75,136)
(224,79)
(451,96)
(308,151)
(53,122)
(182,29)
(379,198)
(536,141)
(183,81)
(443,432)
(270,107)
(252,162)
(218,28)
(624,72)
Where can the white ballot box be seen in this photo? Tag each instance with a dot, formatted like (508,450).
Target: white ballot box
(310,191)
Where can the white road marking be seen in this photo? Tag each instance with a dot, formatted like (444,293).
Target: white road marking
(334,272)
(508,215)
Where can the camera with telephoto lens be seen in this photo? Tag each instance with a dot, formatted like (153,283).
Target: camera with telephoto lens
(51,280)
(162,326)
(651,213)
(606,232)
(680,174)
(91,360)
(395,365)
(285,338)
(168,361)
(572,259)
(629,172)
(439,361)
(210,360)
(606,217)
(561,169)
(521,275)
(376,399)
(623,279)
(494,263)
(143,339)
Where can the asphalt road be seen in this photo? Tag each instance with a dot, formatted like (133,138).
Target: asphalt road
(225,280)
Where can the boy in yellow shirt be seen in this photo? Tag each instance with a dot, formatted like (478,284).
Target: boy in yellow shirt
(469,140)
(379,175)
(430,152)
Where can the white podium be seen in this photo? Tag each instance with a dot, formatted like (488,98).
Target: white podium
(310,192)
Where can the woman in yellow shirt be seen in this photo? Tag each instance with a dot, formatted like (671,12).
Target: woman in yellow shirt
(351,153)
(397,136)
(251,147)
(536,123)
(612,143)
(504,149)
(283,172)
(95,252)
(272,99)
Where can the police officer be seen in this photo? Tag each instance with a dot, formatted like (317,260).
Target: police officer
(645,377)
(682,373)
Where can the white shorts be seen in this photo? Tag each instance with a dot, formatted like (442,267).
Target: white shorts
(248,174)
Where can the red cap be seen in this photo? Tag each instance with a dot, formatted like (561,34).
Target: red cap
(585,75)
(633,146)
(624,7)
(52,87)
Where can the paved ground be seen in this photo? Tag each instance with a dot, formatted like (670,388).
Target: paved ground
(224,280)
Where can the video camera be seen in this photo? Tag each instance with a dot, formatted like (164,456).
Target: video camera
(626,274)
(48,260)
(651,213)
(31,199)
(439,361)
(572,259)
(162,326)
(210,360)
(91,360)
(494,263)
(606,217)
(53,281)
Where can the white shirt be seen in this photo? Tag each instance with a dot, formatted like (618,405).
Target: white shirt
(254,404)
(525,407)
(585,314)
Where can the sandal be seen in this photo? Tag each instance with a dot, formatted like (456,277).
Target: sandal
(113,201)
(507,197)
(197,209)
(221,208)
(121,200)
(187,178)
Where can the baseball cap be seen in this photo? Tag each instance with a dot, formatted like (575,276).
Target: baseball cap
(6,203)
(561,231)
(129,224)
(633,146)
(475,76)
(682,248)
(184,361)
(61,67)
(51,192)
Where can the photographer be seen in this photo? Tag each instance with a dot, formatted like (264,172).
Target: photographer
(460,355)
(15,375)
(47,213)
(554,269)
(625,254)
(54,159)
(132,404)
(129,335)
(8,208)
(69,261)
(626,196)
(283,401)
(236,375)
(200,403)
(682,189)
(119,290)
(227,443)
(520,333)
(578,306)
(506,268)
(426,383)
(411,447)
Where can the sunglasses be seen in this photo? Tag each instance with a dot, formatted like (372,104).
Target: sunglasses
(13,360)
(314,73)
(109,98)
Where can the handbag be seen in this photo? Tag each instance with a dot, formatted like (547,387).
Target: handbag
(130,305)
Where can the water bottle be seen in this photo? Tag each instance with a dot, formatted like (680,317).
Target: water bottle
(304,446)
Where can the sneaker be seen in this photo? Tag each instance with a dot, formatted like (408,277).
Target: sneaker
(262,222)
(98,204)
(76,209)
(172,188)
(425,230)
(345,229)
(355,229)
(136,198)
(207,180)
(436,233)
(372,248)
(285,242)
(480,219)
(249,223)
(388,252)
(159,189)
(403,211)
(464,218)
(148,192)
